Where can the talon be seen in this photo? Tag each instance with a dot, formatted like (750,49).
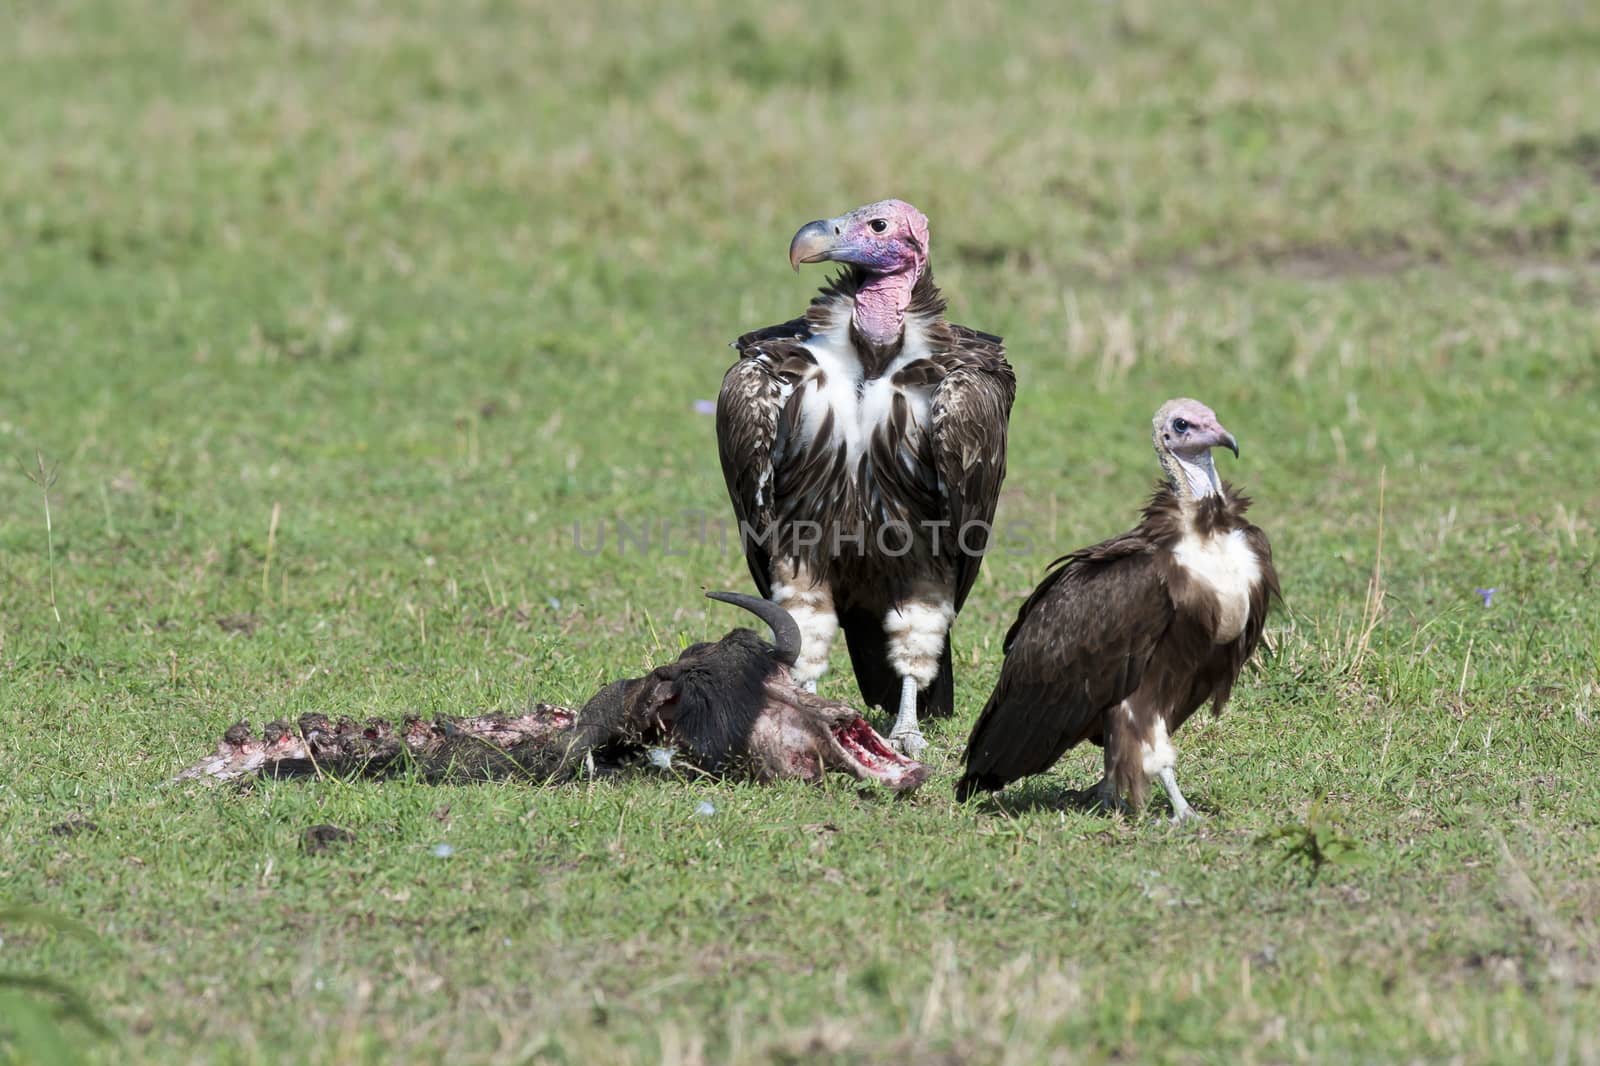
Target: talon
(1186,815)
(1107,800)
(906,736)
(910,743)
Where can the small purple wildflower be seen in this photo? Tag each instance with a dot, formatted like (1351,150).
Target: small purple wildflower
(1488,596)
(705,407)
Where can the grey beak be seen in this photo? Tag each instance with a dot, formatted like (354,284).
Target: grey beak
(813,244)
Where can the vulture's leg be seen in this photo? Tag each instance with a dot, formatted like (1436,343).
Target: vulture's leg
(906,736)
(1181,811)
(1105,794)
(810,603)
(917,630)
(1105,790)
(1159,759)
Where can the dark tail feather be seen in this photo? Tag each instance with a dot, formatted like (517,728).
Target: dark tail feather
(869,656)
(938,700)
(971,783)
(879,684)
(978,778)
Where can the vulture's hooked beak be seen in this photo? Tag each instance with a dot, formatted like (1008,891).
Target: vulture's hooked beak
(1229,443)
(815,243)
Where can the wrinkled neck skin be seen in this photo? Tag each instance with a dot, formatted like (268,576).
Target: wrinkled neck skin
(1192,478)
(881,306)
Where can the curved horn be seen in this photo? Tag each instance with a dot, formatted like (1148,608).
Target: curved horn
(785,632)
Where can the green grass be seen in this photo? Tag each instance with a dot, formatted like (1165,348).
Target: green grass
(435,282)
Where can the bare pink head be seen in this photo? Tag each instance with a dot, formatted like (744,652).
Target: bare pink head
(887,239)
(1185,431)
(1189,428)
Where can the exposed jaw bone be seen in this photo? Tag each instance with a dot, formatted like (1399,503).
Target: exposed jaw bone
(829,736)
(1181,811)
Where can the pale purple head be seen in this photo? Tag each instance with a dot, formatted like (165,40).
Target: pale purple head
(888,237)
(1184,432)
(888,240)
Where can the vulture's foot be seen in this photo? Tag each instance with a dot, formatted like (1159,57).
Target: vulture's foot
(908,742)
(905,736)
(1105,799)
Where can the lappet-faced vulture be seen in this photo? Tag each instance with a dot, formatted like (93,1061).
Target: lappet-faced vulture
(863,446)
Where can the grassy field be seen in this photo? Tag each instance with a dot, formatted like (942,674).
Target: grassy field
(333,321)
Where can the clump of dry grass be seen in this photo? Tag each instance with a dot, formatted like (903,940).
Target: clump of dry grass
(45,479)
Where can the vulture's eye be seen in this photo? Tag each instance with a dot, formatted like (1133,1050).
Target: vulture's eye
(1181,425)
(878,225)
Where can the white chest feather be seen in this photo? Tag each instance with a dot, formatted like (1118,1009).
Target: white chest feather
(1225,566)
(860,407)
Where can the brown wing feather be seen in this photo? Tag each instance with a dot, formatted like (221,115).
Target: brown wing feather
(748,344)
(1079,646)
(750,407)
(971,412)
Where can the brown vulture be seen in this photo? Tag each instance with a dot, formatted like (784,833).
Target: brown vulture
(728,708)
(863,446)
(1123,641)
